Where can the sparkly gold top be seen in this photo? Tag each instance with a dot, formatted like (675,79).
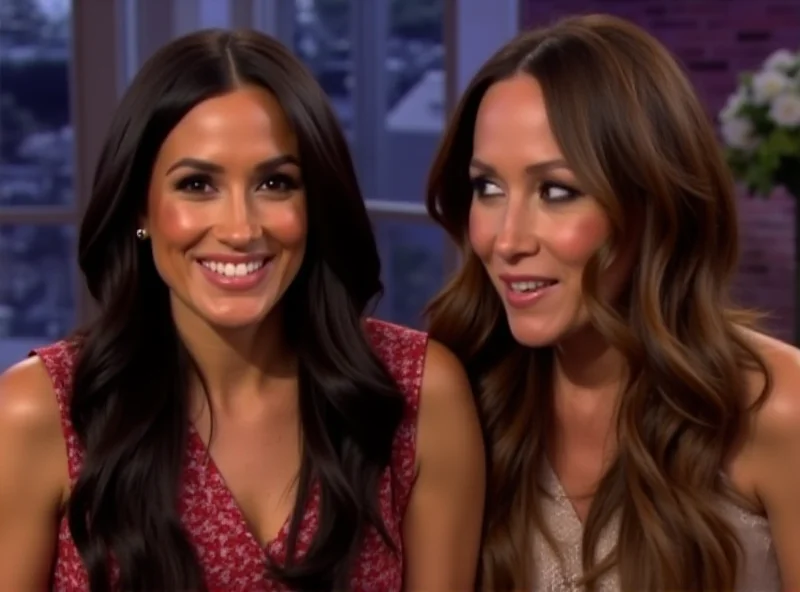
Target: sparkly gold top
(758,573)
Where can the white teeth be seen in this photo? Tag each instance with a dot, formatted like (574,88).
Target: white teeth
(233,270)
(529,286)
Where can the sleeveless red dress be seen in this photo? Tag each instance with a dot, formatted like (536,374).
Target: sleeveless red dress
(229,554)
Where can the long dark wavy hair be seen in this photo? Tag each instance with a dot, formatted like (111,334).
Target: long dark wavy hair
(631,127)
(130,400)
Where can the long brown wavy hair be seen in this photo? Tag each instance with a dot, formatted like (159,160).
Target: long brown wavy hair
(637,137)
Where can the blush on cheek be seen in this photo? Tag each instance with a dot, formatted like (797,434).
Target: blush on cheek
(581,237)
(288,225)
(176,221)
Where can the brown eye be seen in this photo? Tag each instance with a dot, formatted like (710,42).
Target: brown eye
(280,183)
(483,187)
(194,184)
(557,192)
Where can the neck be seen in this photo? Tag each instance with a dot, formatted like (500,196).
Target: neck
(586,363)
(587,379)
(236,363)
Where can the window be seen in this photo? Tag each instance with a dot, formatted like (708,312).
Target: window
(410,82)
(382,65)
(321,35)
(37,192)
(54,111)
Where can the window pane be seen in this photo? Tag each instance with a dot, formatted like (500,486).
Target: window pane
(415,88)
(413,268)
(35,132)
(214,13)
(37,296)
(322,40)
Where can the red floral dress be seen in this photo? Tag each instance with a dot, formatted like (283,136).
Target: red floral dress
(230,556)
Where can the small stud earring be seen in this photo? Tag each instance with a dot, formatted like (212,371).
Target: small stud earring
(141,234)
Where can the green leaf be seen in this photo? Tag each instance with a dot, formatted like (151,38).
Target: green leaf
(738,162)
(774,162)
(758,115)
(785,142)
(758,181)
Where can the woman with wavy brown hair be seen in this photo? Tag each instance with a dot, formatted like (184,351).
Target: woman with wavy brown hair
(641,435)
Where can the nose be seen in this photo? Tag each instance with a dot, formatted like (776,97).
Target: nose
(238,225)
(517,236)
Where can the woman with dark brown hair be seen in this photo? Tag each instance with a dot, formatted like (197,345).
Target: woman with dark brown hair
(232,420)
(641,435)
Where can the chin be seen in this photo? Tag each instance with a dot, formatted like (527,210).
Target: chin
(236,317)
(234,322)
(533,333)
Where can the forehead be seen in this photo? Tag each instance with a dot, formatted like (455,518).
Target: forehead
(247,122)
(512,122)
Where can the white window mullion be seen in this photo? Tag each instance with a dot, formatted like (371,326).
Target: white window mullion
(369,33)
(128,45)
(397,208)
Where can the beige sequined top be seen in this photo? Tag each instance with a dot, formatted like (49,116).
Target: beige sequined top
(758,574)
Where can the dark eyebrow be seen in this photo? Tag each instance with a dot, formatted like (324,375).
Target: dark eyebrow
(533,169)
(213,168)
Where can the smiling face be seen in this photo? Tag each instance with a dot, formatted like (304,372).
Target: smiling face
(226,210)
(530,224)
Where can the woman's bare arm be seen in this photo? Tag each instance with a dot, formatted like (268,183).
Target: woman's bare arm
(442,526)
(33,476)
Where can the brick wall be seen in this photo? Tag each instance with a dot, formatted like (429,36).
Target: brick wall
(716,39)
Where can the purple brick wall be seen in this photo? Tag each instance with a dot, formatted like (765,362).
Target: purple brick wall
(716,39)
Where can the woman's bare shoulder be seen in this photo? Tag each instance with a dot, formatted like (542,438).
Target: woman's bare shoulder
(30,421)
(33,473)
(779,409)
(28,403)
(774,451)
(782,361)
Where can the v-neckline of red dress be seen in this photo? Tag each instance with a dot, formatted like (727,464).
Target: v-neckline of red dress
(215,478)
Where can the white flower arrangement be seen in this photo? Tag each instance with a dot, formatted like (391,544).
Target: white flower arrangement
(760,126)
